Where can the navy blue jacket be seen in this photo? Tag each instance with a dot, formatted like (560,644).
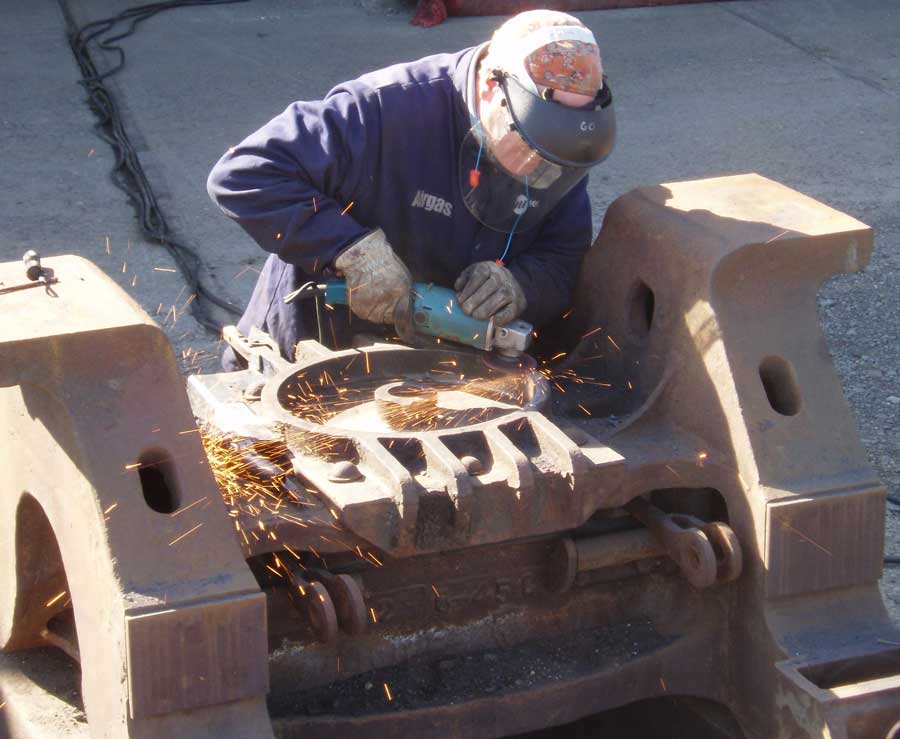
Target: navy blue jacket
(382,151)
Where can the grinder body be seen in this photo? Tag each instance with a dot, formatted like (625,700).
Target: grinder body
(433,311)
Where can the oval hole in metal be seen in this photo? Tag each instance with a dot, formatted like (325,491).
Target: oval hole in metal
(641,307)
(158,481)
(780,383)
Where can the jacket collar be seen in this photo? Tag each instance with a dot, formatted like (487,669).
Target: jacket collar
(465,80)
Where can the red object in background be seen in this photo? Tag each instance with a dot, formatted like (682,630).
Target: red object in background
(432,12)
(429,13)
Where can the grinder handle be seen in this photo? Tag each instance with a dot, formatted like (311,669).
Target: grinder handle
(32,261)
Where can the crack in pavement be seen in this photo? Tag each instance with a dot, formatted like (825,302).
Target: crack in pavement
(819,56)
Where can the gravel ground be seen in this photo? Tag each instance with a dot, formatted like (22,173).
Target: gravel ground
(860,318)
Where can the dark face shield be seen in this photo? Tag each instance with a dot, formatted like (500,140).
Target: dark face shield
(513,177)
(569,137)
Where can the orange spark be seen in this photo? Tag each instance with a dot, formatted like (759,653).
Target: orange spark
(802,535)
(672,470)
(387,692)
(187,508)
(55,599)
(132,466)
(110,509)
(557,356)
(186,533)
(592,332)
(374,617)
(293,519)
(349,206)
(587,412)
(613,342)
(435,590)
(163,269)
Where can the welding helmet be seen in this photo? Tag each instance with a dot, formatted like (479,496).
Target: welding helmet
(527,151)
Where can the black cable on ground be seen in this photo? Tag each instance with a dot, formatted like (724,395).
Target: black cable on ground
(128,174)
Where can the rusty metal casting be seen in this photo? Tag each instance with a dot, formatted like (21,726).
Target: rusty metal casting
(94,464)
(438,547)
(705,552)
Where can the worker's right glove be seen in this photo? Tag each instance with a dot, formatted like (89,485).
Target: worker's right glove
(489,290)
(376,278)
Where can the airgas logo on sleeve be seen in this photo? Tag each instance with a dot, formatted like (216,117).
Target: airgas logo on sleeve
(432,203)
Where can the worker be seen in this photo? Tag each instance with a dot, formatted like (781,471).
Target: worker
(466,170)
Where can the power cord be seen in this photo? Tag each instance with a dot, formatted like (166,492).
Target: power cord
(128,174)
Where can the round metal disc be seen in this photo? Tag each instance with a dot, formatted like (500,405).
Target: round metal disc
(319,609)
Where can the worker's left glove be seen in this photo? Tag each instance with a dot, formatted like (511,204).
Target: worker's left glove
(376,278)
(488,290)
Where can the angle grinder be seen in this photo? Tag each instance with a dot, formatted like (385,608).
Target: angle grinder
(433,311)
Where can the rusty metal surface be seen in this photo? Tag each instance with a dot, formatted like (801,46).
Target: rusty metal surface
(439,557)
(196,655)
(823,557)
(398,425)
(100,487)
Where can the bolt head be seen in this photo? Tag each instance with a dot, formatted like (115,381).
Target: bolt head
(344,472)
(472,464)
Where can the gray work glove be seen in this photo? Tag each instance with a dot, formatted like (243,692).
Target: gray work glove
(376,278)
(488,290)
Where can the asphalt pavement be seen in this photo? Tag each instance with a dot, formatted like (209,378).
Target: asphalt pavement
(806,92)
